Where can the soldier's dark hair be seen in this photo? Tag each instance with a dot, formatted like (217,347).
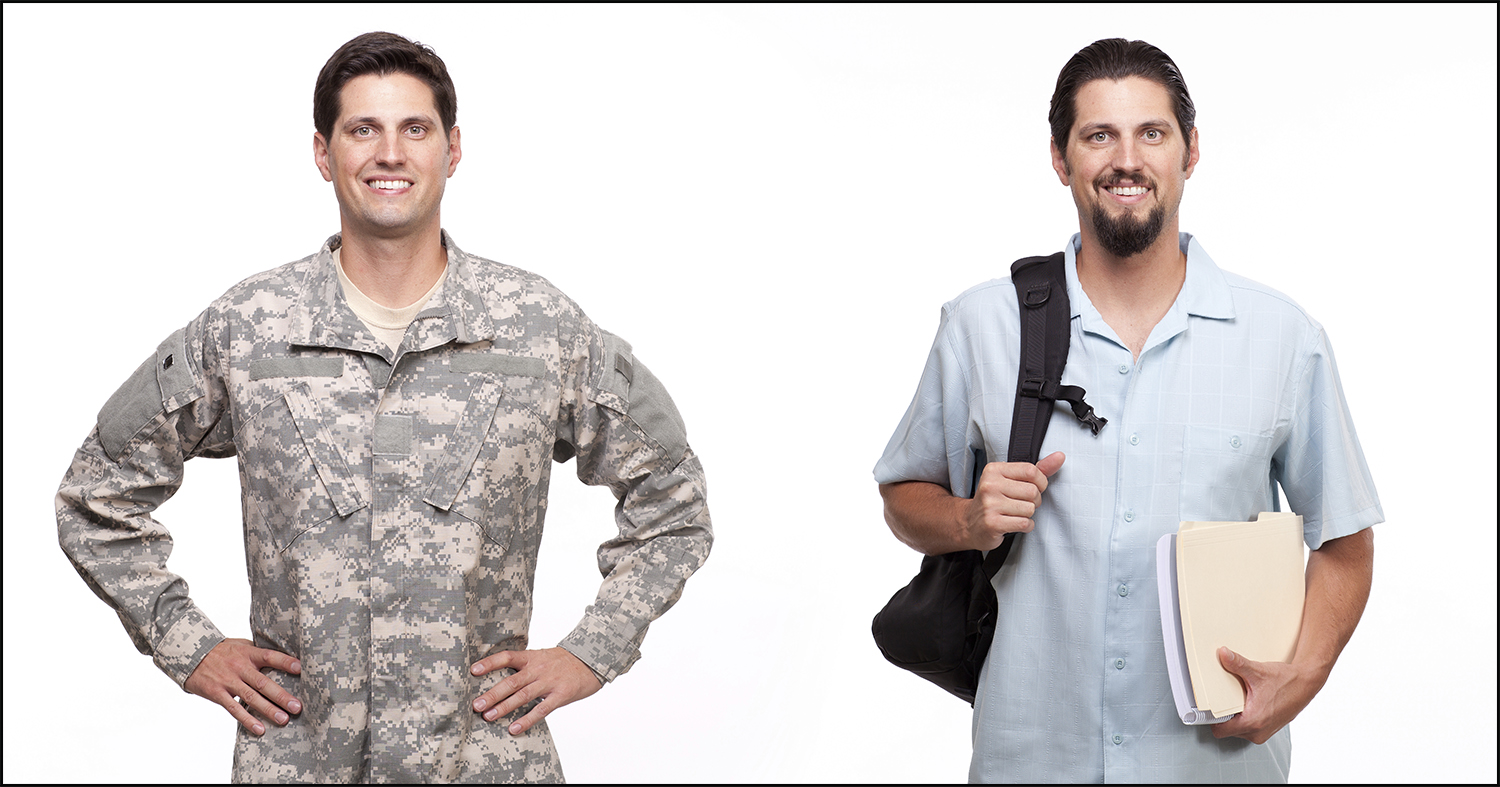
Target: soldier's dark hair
(383,54)
(1115,59)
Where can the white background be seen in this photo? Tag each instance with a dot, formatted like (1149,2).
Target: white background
(771,204)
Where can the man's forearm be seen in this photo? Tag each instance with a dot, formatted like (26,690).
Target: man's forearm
(1339,574)
(924,516)
(1338,584)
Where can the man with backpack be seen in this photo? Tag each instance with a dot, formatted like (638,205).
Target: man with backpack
(1214,388)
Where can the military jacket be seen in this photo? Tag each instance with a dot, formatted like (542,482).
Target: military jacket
(392,507)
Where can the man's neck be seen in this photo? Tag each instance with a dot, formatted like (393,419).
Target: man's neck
(394,272)
(1133,293)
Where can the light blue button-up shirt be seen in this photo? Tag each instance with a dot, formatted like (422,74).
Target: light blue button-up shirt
(1235,392)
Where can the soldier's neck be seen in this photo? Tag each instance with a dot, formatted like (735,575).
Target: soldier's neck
(394,272)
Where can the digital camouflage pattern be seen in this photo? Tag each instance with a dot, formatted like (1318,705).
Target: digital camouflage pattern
(392,505)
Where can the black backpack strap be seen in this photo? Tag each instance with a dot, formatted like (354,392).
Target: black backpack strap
(1042,289)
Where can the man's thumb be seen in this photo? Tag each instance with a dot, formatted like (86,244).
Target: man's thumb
(1051,463)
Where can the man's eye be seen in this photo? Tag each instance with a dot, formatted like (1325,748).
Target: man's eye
(1099,136)
(362,131)
(1153,134)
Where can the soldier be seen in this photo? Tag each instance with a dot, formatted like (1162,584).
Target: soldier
(394,403)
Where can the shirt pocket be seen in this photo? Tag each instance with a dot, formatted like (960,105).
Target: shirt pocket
(1226,474)
(295,477)
(492,474)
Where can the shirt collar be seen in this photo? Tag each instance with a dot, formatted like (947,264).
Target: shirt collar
(1204,292)
(456,311)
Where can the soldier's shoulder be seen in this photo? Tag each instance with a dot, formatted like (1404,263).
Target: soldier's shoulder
(502,282)
(283,282)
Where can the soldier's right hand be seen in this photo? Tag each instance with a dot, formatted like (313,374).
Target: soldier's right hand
(231,672)
(1005,500)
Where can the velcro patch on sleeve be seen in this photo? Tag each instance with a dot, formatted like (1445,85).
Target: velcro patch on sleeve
(133,405)
(165,382)
(654,412)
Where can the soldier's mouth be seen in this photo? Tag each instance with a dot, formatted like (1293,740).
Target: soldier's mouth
(388,185)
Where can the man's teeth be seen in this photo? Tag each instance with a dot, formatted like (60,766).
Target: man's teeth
(390,184)
(1128,191)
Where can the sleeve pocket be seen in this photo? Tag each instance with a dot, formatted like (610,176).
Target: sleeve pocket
(163,383)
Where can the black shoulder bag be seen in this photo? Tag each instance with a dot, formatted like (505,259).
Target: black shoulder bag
(941,624)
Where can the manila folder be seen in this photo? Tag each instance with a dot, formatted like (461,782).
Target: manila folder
(1239,585)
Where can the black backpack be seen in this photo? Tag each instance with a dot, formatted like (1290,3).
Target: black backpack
(941,624)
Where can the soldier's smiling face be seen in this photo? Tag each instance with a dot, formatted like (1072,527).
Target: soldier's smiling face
(388,158)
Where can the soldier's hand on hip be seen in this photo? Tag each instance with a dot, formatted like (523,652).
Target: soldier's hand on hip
(1006,498)
(554,675)
(231,673)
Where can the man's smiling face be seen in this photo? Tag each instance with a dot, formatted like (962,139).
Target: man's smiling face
(1126,162)
(388,158)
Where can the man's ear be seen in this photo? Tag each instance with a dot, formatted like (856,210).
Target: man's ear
(455,150)
(1060,163)
(320,156)
(1191,160)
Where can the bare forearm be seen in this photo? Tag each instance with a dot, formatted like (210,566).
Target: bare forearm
(930,520)
(1338,584)
(924,516)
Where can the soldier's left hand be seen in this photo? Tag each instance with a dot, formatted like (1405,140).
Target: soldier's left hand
(554,675)
(1275,692)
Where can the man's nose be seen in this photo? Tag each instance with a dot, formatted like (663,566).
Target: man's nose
(390,150)
(1127,156)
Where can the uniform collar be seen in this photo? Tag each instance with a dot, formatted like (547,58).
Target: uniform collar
(455,313)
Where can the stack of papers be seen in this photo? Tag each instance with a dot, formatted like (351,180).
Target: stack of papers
(1238,585)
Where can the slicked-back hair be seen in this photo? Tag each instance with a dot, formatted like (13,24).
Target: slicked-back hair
(383,54)
(1115,59)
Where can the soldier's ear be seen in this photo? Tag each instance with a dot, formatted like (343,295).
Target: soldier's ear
(320,156)
(455,151)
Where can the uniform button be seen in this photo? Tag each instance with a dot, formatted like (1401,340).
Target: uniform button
(1124,369)
(1124,591)
(1129,516)
(1135,439)
(1119,739)
(1119,663)
(1234,442)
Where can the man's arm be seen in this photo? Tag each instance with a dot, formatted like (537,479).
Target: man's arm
(925,517)
(1338,585)
(167,412)
(626,434)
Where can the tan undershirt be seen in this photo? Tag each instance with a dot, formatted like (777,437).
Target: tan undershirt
(389,325)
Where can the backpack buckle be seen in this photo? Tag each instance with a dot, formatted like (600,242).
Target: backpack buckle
(1039,388)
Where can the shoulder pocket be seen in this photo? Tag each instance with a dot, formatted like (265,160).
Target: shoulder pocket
(164,383)
(624,384)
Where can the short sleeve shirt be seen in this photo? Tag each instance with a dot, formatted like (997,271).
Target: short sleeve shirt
(1235,392)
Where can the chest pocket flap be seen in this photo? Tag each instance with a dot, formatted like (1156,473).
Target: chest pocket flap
(469,436)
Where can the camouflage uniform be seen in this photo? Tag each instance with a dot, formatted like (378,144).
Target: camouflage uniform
(393,506)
